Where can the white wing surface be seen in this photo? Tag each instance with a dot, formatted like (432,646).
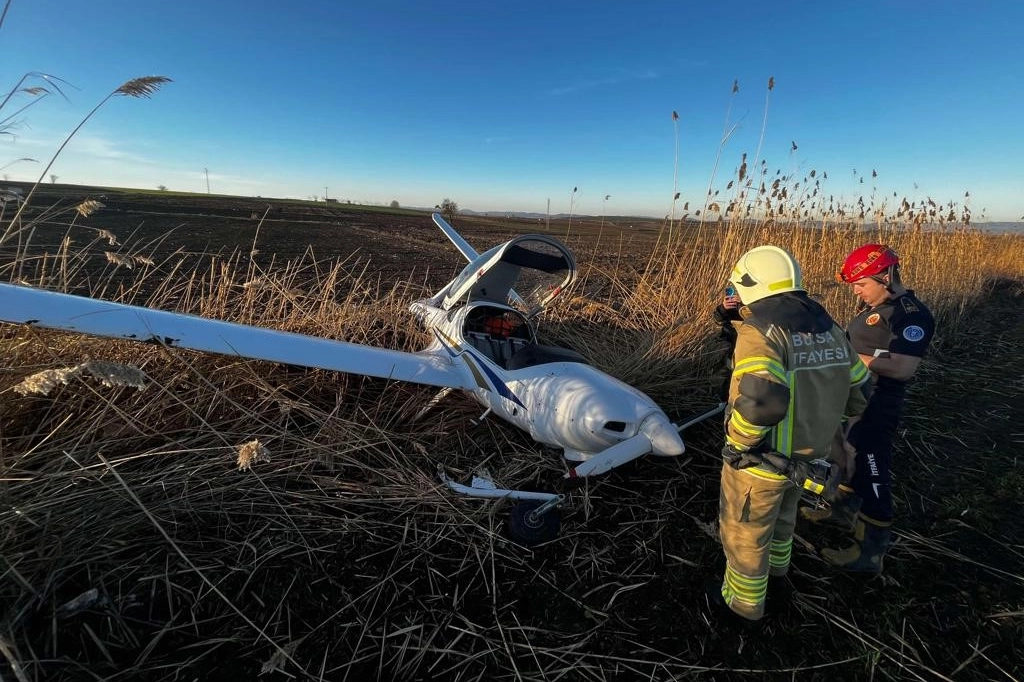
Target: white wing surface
(52,310)
(461,244)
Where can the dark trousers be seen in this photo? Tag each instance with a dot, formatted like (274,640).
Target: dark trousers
(873,476)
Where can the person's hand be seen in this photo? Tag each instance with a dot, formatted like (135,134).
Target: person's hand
(850,466)
(850,423)
(731,302)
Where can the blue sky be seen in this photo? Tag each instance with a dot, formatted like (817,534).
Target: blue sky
(504,106)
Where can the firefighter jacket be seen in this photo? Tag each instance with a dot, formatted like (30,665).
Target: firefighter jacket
(795,377)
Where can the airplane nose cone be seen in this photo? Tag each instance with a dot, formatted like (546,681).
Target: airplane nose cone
(665,439)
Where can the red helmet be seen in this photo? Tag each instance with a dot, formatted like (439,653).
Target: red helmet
(869,260)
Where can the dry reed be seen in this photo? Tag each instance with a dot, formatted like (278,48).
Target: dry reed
(341,556)
(240,518)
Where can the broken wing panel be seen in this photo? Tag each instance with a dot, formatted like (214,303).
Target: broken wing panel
(52,310)
(547,269)
(531,271)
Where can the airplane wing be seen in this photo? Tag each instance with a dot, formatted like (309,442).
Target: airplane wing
(461,244)
(53,310)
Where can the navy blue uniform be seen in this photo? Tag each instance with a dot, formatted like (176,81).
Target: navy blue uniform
(900,325)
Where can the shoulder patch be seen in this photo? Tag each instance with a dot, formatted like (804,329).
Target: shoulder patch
(913,333)
(908,305)
(872,319)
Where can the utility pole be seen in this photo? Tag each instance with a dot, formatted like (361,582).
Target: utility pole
(325,194)
(207,172)
(547,219)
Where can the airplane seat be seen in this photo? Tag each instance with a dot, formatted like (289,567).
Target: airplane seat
(501,351)
(516,344)
(482,342)
(536,354)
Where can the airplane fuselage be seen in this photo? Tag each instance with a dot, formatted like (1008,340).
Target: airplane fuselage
(549,392)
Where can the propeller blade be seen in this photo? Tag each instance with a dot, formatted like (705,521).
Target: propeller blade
(620,453)
(658,436)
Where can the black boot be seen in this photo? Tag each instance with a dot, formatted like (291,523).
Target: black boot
(720,612)
(870,542)
(780,594)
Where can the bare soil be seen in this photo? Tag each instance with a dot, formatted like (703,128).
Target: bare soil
(400,244)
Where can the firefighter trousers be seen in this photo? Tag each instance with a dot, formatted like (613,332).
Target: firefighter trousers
(756,516)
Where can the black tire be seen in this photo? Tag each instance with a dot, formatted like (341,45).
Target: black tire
(529,528)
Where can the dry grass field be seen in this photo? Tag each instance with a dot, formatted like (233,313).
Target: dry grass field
(240,520)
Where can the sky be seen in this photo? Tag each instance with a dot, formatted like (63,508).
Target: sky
(518,106)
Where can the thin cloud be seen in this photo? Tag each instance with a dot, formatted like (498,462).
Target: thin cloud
(105,149)
(624,77)
(235,182)
(84,146)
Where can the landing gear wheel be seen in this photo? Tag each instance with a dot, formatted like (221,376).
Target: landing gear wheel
(528,527)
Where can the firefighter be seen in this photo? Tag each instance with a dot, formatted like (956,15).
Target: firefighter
(890,332)
(794,378)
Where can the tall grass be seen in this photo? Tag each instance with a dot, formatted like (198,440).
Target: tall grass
(336,552)
(238,518)
(946,260)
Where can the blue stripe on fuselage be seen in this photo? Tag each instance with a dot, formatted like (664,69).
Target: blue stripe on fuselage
(502,389)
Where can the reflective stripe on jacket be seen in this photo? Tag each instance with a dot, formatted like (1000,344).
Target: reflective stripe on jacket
(795,377)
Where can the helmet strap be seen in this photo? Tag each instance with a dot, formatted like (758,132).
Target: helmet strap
(893,274)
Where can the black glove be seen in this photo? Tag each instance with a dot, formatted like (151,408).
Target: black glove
(740,459)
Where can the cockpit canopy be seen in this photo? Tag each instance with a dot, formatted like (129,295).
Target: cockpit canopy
(527,272)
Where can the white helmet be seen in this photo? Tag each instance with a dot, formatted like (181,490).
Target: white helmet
(765,271)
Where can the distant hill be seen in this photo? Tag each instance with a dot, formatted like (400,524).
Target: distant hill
(1001,227)
(534,215)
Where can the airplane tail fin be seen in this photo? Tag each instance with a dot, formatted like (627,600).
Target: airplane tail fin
(461,244)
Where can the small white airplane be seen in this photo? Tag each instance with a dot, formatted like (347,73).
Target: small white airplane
(484,343)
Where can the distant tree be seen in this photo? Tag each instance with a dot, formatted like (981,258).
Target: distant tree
(53,179)
(449,209)
(162,188)
(394,204)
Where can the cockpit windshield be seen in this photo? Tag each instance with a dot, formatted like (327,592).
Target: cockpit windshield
(527,272)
